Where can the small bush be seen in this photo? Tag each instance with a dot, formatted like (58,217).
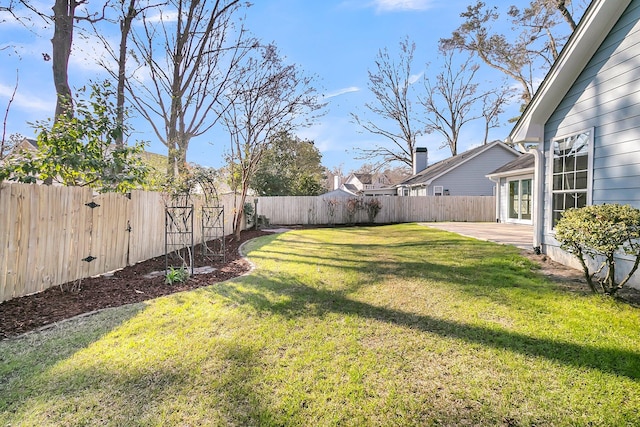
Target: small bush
(354,205)
(373,207)
(332,204)
(599,232)
(176,275)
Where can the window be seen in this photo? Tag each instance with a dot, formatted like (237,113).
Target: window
(438,190)
(571,173)
(520,199)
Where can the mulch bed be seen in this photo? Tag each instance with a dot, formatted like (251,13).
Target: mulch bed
(125,286)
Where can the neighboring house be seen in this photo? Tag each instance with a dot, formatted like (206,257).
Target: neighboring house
(367,184)
(514,190)
(583,123)
(460,175)
(25,144)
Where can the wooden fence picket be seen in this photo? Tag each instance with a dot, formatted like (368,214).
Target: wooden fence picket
(47,231)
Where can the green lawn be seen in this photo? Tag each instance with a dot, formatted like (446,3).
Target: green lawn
(393,325)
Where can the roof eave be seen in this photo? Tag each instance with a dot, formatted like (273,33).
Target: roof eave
(487,147)
(595,25)
(514,172)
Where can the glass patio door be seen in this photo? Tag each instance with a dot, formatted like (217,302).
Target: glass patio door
(520,199)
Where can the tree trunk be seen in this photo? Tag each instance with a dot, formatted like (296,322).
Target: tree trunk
(63,11)
(240,213)
(125,28)
(181,157)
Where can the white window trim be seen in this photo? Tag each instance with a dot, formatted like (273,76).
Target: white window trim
(519,179)
(436,188)
(549,173)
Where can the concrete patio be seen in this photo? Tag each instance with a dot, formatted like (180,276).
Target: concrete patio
(519,235)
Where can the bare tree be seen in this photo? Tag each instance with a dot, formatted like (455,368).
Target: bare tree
(395,120)
(536,41)
(267,97)
(128,10)
(7,145)
(450,99)
(495,50)
(64,17)
(493,103)
(188,51)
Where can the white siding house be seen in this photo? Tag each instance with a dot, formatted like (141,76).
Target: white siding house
(367,184)
(584,122)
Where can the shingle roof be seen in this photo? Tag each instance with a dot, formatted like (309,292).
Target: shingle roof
(446,165)
(364,178)
(350,187)
(336,193)
(526,161)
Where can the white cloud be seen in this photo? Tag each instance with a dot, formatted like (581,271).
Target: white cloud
(28,102)
(87,52)
(400,5)
(415,77)
(164,16)
(342,91)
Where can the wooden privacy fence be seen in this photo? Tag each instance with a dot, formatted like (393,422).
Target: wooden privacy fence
(54,235)
(318,210)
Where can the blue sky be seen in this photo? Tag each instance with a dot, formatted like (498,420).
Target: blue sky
(336,40)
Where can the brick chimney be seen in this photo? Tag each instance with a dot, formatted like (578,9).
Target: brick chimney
(420,158)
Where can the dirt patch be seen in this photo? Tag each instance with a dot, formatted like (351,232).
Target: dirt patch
(573,280)
(125,286)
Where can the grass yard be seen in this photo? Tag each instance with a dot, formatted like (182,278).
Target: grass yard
(393,325)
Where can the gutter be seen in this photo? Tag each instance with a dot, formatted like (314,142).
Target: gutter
(538,186)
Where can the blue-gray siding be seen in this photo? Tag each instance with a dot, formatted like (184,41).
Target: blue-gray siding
(606,97)
(469,179)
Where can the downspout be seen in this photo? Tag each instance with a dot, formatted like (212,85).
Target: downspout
(538,185)
(498,201)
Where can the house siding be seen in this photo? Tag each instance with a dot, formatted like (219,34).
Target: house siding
(606,98)
(470,179)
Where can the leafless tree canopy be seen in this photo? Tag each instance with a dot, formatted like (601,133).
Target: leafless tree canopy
(395,118)
(408,106)
(185,54)
(523,55)
(449,99)
(493,104)
(127,12)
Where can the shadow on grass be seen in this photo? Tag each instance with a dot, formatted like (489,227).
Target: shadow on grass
(478,268)
(487,268)
(302,300)
(24,358)
(144,384)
